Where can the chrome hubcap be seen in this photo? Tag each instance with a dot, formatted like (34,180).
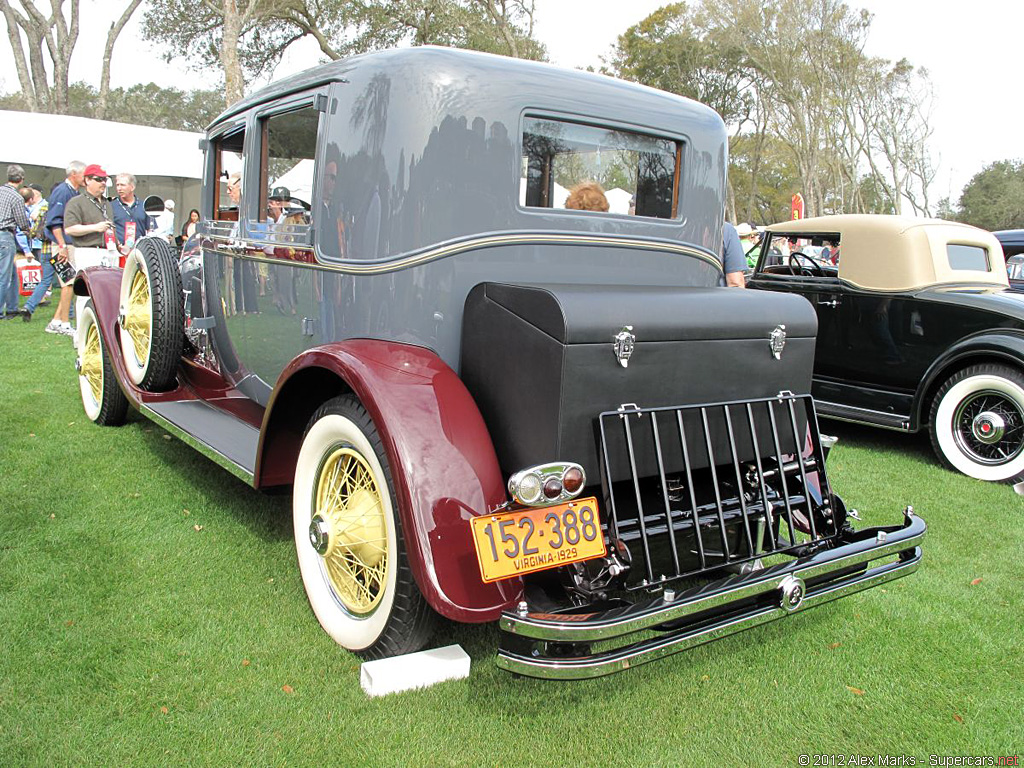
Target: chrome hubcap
(988,427)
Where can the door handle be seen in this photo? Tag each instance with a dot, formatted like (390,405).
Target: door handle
(834,303)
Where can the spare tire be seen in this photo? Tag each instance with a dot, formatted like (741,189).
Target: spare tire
(152,316)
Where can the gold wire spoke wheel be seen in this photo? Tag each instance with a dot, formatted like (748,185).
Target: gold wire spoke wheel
(138,317)
(104,402)
(92,363)
(355,556)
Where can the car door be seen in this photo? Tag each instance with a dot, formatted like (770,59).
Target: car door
(825,294)
(277,285)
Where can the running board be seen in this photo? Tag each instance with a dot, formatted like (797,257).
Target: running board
(215,433)
(896,421)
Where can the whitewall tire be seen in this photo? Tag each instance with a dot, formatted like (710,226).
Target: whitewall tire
(102,398)
(977,422)
(348,537)
(152,315)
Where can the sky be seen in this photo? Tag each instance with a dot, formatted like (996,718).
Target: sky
(971,51)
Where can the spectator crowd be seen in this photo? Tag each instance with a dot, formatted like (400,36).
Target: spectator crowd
(45,240)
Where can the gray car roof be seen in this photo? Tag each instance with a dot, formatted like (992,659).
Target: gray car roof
(489,71)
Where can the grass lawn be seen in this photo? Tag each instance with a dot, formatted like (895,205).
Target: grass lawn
(151,613)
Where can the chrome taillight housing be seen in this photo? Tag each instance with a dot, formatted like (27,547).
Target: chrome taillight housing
(547,484)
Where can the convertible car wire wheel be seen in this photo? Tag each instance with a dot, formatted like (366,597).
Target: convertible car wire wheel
(152,315)
(102,398)
(977,422)
(349,539)
(349,530)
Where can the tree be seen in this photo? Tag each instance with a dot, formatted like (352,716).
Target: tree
(764,177)
(30,33)
(108,53)
(671,50)
(994,198)
(494,26)
(792,75)
(59,35)
(246,37)
(676,49)
(240,37)
(142,104)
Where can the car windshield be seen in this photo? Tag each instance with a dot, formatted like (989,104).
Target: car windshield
(1015,267)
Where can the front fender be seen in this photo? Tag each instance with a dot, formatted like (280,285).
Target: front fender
(1003,344)
(103,286)
(442,459)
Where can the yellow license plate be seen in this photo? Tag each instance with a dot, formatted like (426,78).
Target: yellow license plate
(535,538)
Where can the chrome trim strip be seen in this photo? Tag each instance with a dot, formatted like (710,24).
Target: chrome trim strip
(208,451)
(651,650)
(451,249)
(654,612)
(850,412)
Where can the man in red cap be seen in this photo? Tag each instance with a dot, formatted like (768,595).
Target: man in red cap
(89,216)
(89,220)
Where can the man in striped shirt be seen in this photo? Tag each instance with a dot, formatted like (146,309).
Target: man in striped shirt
(13,216)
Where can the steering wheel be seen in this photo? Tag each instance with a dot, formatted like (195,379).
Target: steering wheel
(807,265)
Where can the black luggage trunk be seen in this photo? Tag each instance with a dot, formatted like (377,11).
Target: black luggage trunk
(540,361)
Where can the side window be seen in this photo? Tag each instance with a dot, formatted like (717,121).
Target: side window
(586,167)
(812,256)
(288,148)
(229,159)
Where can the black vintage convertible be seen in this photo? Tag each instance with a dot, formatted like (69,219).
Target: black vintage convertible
(917,327)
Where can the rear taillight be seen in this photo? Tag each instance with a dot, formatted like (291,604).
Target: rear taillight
(547,484)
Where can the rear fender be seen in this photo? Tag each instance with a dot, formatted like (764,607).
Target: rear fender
(1004,345)
(441,456)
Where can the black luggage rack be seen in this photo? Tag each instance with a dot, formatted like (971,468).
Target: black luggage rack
(701,487)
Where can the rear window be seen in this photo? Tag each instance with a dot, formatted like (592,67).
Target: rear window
(602,170)
(971,258)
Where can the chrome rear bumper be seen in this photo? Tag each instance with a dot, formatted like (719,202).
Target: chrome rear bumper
(555,646)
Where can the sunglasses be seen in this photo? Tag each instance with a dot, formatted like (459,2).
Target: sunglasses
(99,178)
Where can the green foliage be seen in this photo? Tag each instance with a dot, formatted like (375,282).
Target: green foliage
(453,23)
(142,104)
(792,76)
(873,197)
(193,30)
(994,198)
(673,49)
(763,178)
(132,638)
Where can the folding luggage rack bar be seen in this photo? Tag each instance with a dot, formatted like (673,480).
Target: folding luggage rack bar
(704,486)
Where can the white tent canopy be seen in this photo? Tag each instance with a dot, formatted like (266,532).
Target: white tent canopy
(618,200)
(55,140)
(299,180)
(165,163)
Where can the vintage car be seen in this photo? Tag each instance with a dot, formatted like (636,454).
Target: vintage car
(917,328)
(490,407)
(1012,241)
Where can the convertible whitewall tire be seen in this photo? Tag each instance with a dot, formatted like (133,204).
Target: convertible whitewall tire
(348,537)
(152,315)
(977,422)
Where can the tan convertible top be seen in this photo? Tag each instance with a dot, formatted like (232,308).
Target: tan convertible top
(898,253)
